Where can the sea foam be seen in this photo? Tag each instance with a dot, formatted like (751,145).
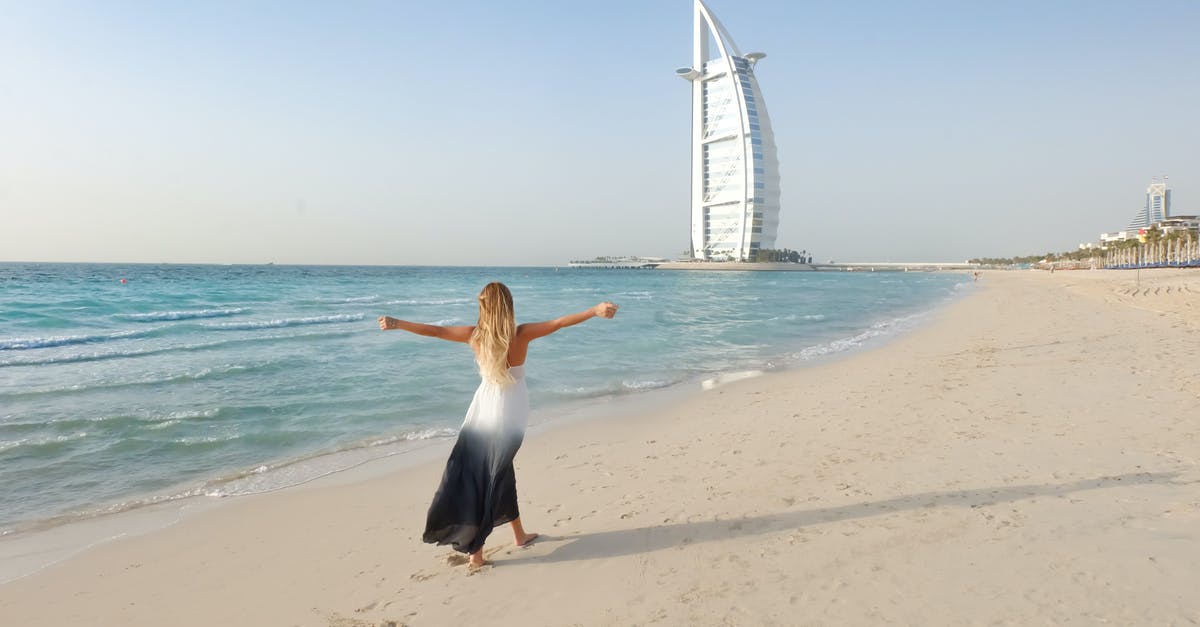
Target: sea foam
(286,322)
(156,316)
(66,340)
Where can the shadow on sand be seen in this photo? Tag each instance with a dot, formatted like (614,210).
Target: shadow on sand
(648,539)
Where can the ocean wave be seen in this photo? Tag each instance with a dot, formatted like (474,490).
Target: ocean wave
(272,477)
(614,388)
(100,356)
(195,440)
(150,380)
(177,417)
(448,322)
(42,442)
(884,327)
(145,419)
(77,357)
(16,344)
(285,322)
(198,375)
(345,301)
(155,316)
(105,510)
(258,479)
(795,317)
(648,384)
(443,301)
(266,478)
(581,392)
(728,377)
(410,436)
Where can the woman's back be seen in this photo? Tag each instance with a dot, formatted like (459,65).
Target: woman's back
(463,514)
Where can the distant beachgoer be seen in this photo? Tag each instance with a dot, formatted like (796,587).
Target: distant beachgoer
(478,491)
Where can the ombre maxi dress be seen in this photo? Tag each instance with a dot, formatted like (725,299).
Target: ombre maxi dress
(478,491)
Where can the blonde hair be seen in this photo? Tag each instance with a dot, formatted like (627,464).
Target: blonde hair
(494,332)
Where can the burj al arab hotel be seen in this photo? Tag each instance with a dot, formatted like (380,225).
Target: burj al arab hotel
(735,173)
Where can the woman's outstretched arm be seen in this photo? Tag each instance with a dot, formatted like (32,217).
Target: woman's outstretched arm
(454,334)
(533,330)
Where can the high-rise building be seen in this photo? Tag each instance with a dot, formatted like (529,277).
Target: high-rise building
(735,173)
(1158,205)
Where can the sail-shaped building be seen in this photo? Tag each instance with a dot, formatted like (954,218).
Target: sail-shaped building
(735,172)
(1158,205)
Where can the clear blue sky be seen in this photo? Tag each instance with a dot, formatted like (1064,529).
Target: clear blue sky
(532,132)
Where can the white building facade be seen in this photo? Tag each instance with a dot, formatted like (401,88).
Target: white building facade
(735,171)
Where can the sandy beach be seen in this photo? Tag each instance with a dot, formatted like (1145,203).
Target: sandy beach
(1029,457)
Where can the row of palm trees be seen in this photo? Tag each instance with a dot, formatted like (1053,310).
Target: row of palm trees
(1153,249)
(1176,248)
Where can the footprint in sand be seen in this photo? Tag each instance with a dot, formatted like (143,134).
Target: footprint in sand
(337,620)
(478,570)
(455,558)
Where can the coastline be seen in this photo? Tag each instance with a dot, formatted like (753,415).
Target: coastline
(996,444)
(736,266)
(226,397)
(168,505)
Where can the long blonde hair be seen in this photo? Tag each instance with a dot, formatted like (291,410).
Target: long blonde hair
(494,333)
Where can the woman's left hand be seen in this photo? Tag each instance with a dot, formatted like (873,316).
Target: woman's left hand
(605,310)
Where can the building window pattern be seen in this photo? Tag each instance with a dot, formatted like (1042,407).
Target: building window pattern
(735,172)
(1157,207)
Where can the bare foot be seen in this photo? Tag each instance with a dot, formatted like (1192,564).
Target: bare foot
(528,539)
(476,560)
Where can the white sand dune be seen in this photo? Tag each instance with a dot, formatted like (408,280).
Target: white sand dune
(1029,458)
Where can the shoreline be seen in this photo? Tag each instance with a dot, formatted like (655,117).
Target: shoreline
(32,546)
(202,417)
(735,266)
(974,465)
(779,266)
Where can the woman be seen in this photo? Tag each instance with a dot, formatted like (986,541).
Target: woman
(479,490)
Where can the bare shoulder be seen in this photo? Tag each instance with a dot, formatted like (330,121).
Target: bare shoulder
(457,334)
(534,330)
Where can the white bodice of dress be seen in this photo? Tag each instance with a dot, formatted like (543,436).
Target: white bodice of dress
(500,407)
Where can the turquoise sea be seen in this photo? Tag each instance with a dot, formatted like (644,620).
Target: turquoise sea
(123,385)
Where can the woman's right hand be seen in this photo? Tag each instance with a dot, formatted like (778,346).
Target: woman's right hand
(605,310)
